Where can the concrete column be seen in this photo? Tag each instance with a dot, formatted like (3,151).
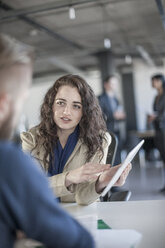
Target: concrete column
(106,62)
(129,100)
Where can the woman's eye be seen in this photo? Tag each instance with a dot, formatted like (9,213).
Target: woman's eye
(76,106)
(60,103)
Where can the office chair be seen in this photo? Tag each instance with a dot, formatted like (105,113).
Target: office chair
(115,196)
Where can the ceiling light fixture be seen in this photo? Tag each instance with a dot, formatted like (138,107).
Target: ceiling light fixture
(128,59)
(107,43)
(72,13)
(33,32)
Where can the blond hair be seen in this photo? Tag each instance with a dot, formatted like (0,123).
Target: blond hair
(14,52)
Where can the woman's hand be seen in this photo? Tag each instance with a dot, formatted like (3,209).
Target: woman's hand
(107,175)
(20,235)
(85,173)
(151,117)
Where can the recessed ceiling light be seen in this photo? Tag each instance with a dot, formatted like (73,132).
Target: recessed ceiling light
(128,59)
(107,43)
(72,13)
(33,32)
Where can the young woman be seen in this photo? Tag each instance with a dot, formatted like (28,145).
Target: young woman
(71,142)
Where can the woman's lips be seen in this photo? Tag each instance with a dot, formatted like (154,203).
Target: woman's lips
(66,120)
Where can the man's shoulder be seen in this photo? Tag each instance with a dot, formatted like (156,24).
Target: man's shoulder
(102,97)
(9,154)
(8,150)
(7,147)
(15,161)
(12,153)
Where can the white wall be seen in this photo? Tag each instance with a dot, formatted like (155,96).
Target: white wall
(32,106)
(144,93)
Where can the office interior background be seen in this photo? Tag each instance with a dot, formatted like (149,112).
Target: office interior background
(94,38)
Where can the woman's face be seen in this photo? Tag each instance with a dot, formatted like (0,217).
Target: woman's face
(67,108)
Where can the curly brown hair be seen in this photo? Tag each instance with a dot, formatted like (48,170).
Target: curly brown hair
(91,126)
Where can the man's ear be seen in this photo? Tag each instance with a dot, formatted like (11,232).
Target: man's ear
(4,106)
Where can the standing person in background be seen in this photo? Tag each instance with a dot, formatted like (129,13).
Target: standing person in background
(158,116)
(71,142)
(26,202)
(112,110)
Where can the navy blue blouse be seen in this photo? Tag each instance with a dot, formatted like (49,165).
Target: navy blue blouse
(61,155)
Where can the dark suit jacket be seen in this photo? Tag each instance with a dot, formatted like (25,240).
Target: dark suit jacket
(159,107)
(108,112)
(159,124)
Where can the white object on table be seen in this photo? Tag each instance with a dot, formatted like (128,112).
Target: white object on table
(146,217)
(117,238)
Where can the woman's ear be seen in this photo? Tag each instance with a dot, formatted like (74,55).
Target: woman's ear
(4,106)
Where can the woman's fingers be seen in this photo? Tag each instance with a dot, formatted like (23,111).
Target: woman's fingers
(85,173)
(91,171)
(106,176)
(124,175)
(94,168)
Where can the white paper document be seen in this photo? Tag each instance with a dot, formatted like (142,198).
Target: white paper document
(126,238)
(110,238)
(118,173)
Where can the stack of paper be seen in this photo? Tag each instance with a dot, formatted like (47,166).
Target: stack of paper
(106,237)
(114,238)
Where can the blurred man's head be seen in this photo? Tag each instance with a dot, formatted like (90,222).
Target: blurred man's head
(110,83)
(158,81)
(15,79)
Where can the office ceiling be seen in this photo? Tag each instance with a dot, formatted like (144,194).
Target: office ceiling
(134,27)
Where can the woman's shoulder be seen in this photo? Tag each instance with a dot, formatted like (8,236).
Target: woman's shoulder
(30,135)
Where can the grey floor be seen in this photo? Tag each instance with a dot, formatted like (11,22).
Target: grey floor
(145,180)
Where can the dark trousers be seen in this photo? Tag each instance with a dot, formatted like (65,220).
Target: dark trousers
(160,143)
(117,159)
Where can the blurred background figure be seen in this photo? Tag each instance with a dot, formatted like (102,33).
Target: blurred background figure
(158,116)
(112,110)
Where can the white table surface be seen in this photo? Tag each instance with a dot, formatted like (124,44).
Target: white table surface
(146,217)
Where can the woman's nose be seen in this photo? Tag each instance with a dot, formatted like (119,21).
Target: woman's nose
(67,110)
